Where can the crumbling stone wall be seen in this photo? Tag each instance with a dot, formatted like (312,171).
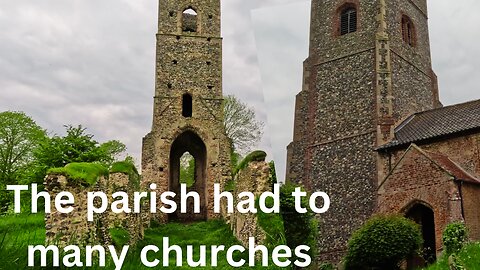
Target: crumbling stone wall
(74,228)
(254,178)
(64,229)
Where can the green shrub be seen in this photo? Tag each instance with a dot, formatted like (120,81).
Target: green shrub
(383,242)
(257,155)
(300,229)
(454,237)
(83,173)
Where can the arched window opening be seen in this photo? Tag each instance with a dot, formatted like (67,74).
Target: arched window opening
(187,105)
(408,31)
(189,20)
(187,169)
(348,20)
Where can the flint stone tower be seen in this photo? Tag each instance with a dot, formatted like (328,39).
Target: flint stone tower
(188,111)
(369,68)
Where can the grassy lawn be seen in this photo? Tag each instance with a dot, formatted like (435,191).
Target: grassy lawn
(19,231)
(469,258)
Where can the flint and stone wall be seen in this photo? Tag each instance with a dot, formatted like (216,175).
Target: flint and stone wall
(73,228)
(254,178)
(356,87)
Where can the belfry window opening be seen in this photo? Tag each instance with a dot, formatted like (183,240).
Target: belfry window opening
(408,31)
(348,20)
(189,20)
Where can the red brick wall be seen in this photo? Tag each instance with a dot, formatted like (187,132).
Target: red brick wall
(471,194)
(417,179)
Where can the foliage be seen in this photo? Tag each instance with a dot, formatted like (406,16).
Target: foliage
(468,258)
(272,224)
(300,229)
(273,173)
(327,266)
(84,173)
(187,169)
(120,237)
(127,167)
(230,185)
(16,233)
(257,155)
(76,146)
(19,136)
(241,125)
(383,242)
(454,237)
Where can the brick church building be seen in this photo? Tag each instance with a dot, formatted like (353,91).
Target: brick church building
(370,130)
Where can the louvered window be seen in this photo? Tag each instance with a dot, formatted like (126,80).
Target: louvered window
(348,21)
(408,31)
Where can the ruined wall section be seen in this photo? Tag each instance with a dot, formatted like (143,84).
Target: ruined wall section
(254,178)
(64,229)
(74,228)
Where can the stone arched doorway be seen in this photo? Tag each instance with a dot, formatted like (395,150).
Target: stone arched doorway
(191,143)
(424,216)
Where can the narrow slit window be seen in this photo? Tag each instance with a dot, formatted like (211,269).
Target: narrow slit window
(189,20)
(348,21)
(187,105)
(408,31)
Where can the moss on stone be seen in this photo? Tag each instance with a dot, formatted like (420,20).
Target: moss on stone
(83,173)
(257,155)
(128,168)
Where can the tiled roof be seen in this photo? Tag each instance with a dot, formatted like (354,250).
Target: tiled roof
(452,168)
(436,123)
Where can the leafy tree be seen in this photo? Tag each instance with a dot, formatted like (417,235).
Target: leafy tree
(187,169)
(241,125)
(75,147)
(19,135)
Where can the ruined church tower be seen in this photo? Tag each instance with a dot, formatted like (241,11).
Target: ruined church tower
(187,111)
(368,68)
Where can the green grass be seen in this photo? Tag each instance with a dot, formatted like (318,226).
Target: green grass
(469,258)
(19,231)
(16,233)
(85,173)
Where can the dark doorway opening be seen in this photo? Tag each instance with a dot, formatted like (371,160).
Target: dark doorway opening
(186,147)
(423,216)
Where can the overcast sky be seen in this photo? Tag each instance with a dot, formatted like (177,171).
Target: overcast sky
(91,62)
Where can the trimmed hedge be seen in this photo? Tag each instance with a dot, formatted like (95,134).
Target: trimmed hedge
(383,242)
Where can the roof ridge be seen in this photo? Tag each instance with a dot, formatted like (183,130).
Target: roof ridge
(448,106)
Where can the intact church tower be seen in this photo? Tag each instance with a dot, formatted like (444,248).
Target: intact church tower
(187,111)
(369,68)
